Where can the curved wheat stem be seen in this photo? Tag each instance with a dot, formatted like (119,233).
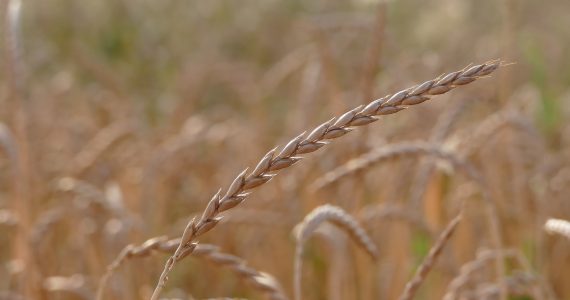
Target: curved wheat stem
(427,264)
(261,281)
(558,226)
(340,218)
(308,143)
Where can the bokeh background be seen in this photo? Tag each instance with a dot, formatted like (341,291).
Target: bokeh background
(120,119)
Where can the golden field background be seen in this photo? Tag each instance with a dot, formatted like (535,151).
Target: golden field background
(121,119)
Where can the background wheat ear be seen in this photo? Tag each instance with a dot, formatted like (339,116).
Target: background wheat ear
(261,281)
(338,217)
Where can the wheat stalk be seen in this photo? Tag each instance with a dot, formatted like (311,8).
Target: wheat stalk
(428,263)
(304,144)
(558,226)
(261,281)
(336,216)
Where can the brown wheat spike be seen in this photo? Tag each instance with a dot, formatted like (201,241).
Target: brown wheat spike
(428,263)
(259,280)
(336,216)
(418,148)
(306,143)
(558,226)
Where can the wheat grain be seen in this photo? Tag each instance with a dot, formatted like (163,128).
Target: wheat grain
(261,281)
(317,138)
(340,218)
(428,263)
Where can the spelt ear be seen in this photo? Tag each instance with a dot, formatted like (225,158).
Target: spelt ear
(318,137)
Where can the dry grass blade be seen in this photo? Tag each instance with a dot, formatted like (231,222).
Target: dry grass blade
(340,218)
(558,226)
(317,138)
(261,281)
(428,263)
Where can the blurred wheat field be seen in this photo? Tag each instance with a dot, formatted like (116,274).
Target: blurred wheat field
(126,127)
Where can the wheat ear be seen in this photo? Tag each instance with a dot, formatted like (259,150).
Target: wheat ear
(336,216)
(303,144)
(379,155)
(558,226)
(428,263)
(259,280)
